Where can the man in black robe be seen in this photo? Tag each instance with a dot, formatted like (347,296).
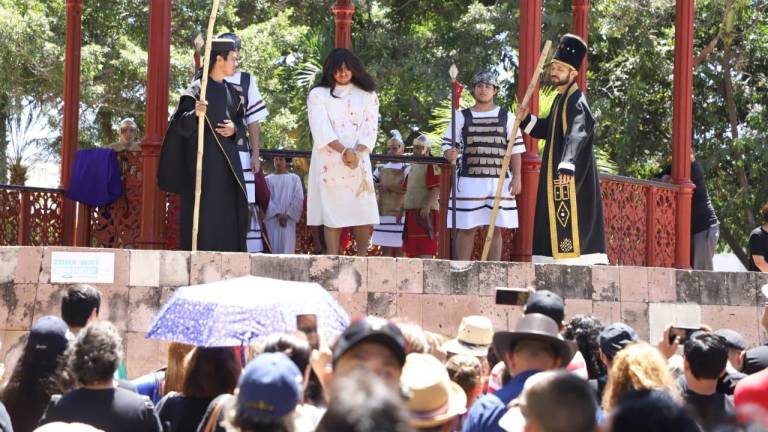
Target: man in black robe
(569,210)
(223,216)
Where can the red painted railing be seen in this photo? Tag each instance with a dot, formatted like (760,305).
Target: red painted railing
(639,219)
(30,216)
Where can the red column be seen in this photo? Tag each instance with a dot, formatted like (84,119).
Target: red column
(530,48)
(71,113)
(159,58)
(580,24)
(343,11)
(682,112)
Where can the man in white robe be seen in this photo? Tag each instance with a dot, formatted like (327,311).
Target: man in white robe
(286,204)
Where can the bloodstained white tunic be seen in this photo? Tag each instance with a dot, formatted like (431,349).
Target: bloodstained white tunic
(337,196)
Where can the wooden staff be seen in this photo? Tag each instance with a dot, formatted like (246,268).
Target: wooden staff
(508,154)
(453,72)
(201,123)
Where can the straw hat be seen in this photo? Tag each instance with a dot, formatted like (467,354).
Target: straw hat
(435,399)
(474,337)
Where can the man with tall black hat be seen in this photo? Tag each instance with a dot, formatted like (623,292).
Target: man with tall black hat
(569,210)
(482,133)
(224,212)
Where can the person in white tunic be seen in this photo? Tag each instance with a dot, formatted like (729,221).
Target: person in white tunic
(255,112)
(390,180)
(482,133)
(286,202)
(343,112)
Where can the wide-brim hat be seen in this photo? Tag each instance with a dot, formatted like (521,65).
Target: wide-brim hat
(535,327)
(570,51)
(474,337)
(434,398)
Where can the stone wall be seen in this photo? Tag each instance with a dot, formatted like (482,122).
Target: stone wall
(432,293)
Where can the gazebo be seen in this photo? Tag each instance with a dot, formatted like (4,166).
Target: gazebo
(665,210)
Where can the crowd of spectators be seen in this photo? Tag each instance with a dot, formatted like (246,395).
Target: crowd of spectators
(545,374)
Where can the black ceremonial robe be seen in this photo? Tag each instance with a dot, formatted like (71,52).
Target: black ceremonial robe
(569,218)
(223,201)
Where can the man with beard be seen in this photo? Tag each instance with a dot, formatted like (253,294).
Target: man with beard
(484,131)
(569,209)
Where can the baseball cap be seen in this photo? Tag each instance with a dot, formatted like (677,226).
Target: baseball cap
(48,336)
(733,339)
(615,337)
(269,387)
(371,329)
(547,303)
(755,360)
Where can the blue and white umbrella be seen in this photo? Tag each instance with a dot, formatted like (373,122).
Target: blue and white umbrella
(235,312)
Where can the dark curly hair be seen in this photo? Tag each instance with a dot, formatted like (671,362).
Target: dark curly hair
(334,61)
(584,330)
(34,380)
(97,353)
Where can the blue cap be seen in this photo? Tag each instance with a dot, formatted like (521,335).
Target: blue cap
(615,337)
(48,336)
(269,387)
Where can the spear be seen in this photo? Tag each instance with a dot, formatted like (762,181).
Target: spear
(508,154)
(453,72)
(201,124)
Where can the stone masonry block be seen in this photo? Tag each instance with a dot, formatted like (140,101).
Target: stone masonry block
(144,303)
(409,307)
(634,283)
(13,343)
(174,268)
(48,300)
(490,275)
(437,277)
(499,314)
(204,267)
(28,265)
(608,312)
(743,319)
(464,277)
(356,304)
(713,287)
(742,289)
(661,284)
(636,315)
(8,262)
(410,275)
(235,265)
(575,307)
(114,305)
(382,305)
(521,275)
(286,267)
(442,313)
(143,355)
(688,287)
(663,314)
(145,268)
(337,273)
(605,283)
(17,304)
(567,281)
(382,274)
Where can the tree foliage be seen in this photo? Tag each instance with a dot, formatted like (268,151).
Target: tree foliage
(408,46)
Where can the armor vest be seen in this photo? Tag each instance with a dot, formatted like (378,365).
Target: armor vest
(484,144)
(391,203)
(417,193)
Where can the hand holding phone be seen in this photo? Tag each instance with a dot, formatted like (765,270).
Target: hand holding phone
(512,296)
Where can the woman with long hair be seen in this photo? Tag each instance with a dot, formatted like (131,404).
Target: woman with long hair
(343,112)
(638,367)
(208,373)
(40,372)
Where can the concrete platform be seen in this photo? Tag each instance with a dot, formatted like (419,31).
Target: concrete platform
(433,293)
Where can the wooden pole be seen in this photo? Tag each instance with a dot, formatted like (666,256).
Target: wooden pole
(453,72)
(508,154)
(201,123)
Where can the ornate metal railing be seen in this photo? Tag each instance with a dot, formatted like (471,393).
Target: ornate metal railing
(639,216)
(30,216)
